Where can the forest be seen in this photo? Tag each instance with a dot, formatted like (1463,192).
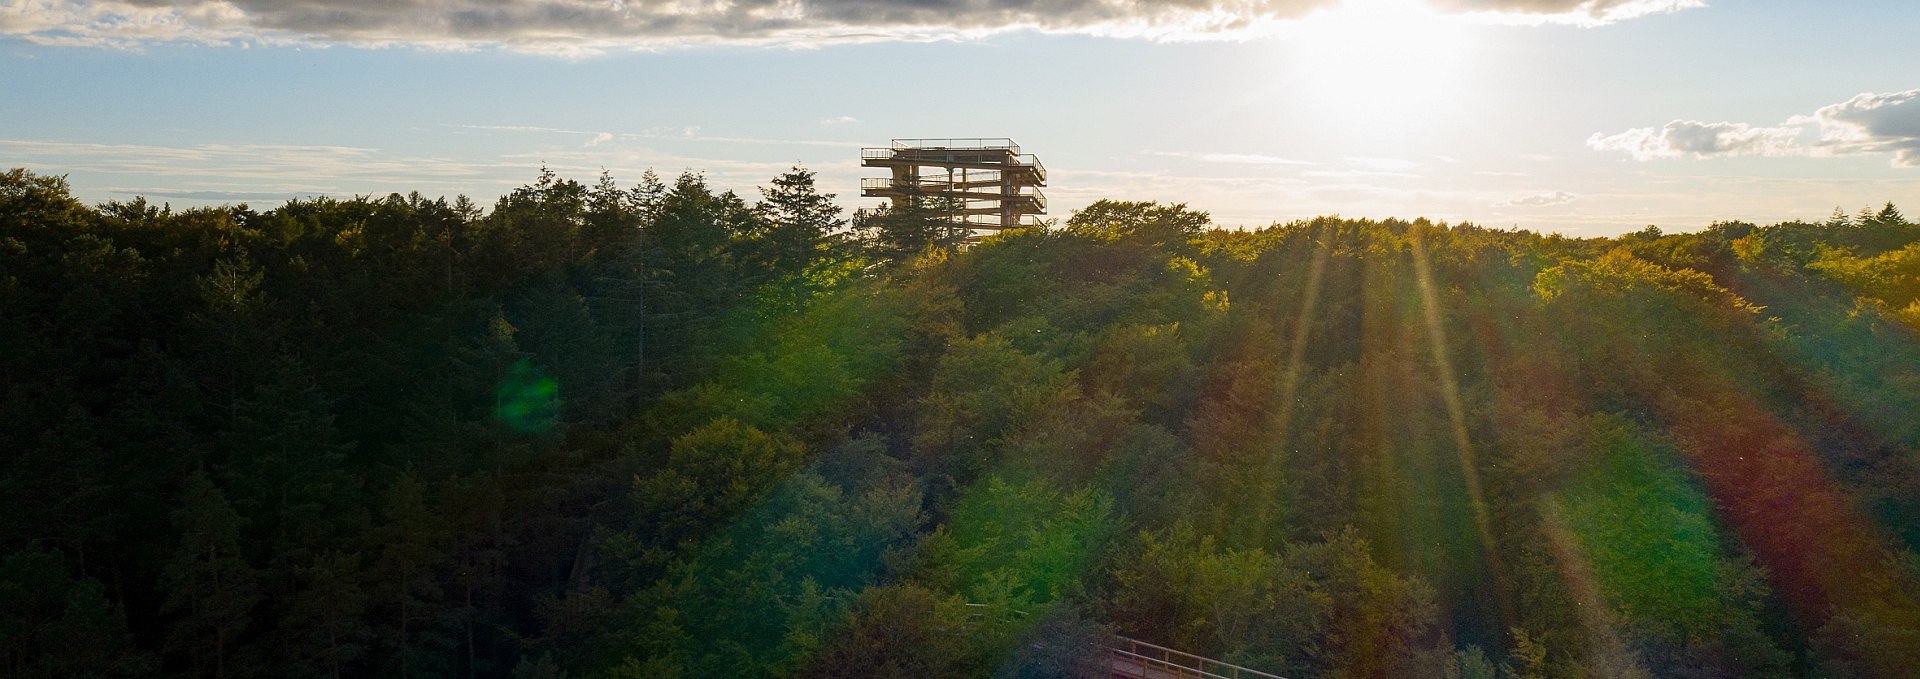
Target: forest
(655,430)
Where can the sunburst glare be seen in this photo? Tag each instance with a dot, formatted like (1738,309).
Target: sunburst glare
(1379,63)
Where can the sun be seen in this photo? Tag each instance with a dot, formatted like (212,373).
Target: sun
(1378,61)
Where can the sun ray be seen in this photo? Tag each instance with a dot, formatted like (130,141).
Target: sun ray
(1606,651)
(1456,408)
(1290,378)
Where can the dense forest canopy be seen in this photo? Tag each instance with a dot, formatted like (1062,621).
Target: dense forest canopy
(659,431)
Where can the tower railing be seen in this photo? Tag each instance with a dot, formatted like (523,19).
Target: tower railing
(1033,161)
(981,143)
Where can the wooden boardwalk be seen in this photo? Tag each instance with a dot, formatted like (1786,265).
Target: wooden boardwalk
(1133,659)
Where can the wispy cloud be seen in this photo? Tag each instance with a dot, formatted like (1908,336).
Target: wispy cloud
(211,195)
(1578,12)
(839,120)
(691,133)
(520,128)
(1539,200)
(1354,167)
(222,172)
(1383,164)
(1230,158)
(1357,174)
(212,172)
(577,27)
(1871,123)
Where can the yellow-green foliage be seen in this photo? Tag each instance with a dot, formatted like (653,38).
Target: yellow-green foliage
(1026,543)
(1892,278)
(984,389)
(1620,274)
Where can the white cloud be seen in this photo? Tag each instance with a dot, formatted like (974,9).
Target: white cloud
(1873,123)
(599,139)
(1539,200)
(1864,125)
(1691,138)
(839,120)
(577,27)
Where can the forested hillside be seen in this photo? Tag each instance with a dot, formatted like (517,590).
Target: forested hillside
(657,431)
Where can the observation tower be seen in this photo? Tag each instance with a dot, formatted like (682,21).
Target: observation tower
(985,185)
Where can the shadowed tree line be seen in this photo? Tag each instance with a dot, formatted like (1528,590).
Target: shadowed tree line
(659,431)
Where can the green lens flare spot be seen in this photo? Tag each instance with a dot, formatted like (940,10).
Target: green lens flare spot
(528,400)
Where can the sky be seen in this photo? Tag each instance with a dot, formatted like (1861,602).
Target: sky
(1586,117)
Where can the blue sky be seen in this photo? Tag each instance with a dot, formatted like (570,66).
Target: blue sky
(1582,116)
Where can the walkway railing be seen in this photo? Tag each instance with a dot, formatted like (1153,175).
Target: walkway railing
(1134,659)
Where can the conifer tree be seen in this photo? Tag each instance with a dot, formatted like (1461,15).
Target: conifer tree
(798,220)
(211,589)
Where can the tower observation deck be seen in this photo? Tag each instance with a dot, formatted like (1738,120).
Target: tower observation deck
(984,184)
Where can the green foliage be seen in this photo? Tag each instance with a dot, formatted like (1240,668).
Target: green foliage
(1027,544)
(661,431)
(711,474)
(1645,528)
(1064,645)
(337,366)
(1146,222)
(761,597)
(55,625)
(1319,607)
(900,232)
(1471,663)
(798,219)
(900,632)
(211,589)
(983,389)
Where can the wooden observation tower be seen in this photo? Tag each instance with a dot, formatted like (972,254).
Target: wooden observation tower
(984,185)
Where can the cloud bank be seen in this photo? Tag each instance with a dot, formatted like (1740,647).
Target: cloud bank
(1867,124)
(587,26)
